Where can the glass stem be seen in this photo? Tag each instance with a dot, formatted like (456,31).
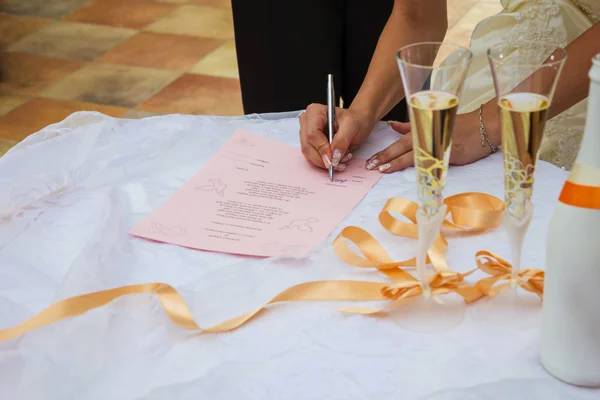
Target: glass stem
(428,228)
(516,248)
(516,228)
(422,270)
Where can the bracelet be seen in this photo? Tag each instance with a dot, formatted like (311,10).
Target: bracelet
(485,139)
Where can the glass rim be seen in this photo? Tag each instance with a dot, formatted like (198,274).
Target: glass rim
(440,45)
(559,60)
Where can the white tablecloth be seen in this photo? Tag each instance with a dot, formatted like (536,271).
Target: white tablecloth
(75,188)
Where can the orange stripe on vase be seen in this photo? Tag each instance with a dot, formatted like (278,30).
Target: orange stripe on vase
(582,196)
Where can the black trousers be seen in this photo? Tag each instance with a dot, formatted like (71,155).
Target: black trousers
(285,49)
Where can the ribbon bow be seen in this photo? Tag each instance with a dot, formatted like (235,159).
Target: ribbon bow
(438,283)
(470,212)
(530,279)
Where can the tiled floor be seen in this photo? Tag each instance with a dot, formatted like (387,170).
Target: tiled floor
(131,58)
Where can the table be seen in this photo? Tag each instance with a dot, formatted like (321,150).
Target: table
(75,188)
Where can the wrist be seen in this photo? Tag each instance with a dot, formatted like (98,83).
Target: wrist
(491,122)
(365,114)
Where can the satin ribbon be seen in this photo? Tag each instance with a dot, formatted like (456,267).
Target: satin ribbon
(531,280)
(470,212)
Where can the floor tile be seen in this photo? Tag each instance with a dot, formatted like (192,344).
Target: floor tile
(30,73)
(13,28)
(162,51)
(215,22)
(479,12)
(72,40)
(459,35)
(198,94)
(19,123)
(112,84)
(43,8)
(137,114)
(221,62)
(6,145)
(123,13)
(457,9)
(9,102)
(214,3)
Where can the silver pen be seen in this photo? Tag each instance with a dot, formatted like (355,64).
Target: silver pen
(330,115)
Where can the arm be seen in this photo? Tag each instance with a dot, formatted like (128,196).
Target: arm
(572,86)
(411,21)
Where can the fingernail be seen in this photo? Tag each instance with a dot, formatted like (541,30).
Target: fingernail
(392,122)
(347,158)
(340,168)
(326,161)
(337,155)
(385,167)
(372,164)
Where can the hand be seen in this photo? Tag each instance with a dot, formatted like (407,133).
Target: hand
(352,129)
(466,146)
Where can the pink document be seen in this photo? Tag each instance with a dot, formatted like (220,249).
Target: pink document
(258,197)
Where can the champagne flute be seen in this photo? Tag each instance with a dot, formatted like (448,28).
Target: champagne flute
(525,76)
(432,76)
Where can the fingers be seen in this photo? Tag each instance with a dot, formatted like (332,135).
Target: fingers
(396,150)
(347,131)
(315,145)
(313,156)
(398,164)
(400,127)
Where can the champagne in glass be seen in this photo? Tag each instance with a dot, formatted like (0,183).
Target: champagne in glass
(525,76)
(522,119)
(432,115)
(432,76)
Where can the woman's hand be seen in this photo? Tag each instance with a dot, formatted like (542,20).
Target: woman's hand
(352,129)
(466,146)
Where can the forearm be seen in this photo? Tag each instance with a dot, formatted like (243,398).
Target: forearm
(573,84)
(410,21)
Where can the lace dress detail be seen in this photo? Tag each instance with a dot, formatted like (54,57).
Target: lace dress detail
(542,20)
(538,22)
(562,138)
(592,12)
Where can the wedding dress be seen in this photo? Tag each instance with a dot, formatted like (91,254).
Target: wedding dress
(555,21)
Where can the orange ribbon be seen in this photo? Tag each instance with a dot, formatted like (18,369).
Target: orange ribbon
(470,212)
(530,279)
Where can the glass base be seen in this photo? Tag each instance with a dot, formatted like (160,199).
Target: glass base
(515,308)
(428,315)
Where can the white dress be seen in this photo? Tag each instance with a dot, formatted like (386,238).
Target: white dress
(556,21)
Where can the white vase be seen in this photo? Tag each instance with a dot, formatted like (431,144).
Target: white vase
(570,348)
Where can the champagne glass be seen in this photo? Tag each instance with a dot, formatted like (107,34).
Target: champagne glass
(525,75)
(432,76)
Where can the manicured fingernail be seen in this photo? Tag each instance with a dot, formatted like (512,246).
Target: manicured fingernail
(347,158)
(340,167)
(326,161)
(392,122)
(337,155)
(385,167)
(372,164)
